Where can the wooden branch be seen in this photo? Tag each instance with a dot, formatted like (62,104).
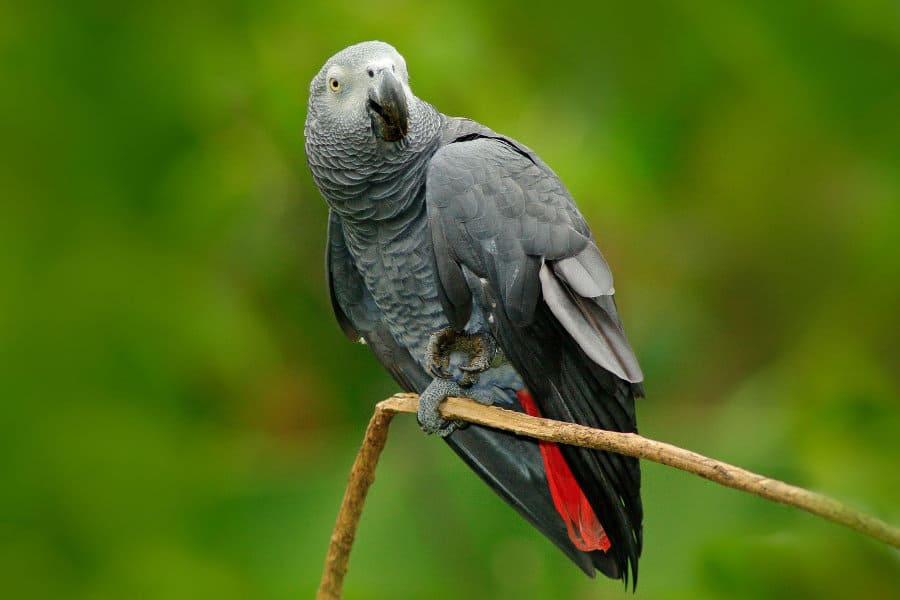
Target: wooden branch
(632,444)
(362,474)
(629,444)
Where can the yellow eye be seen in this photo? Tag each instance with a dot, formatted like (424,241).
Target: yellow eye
(334,84)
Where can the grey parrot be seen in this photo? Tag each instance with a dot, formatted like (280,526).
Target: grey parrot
(461,260)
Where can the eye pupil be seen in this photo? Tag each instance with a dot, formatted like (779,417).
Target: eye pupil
(335,84)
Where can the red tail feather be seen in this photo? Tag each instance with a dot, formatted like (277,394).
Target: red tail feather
(584,527)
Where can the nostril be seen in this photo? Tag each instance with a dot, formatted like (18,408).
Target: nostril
(371,73)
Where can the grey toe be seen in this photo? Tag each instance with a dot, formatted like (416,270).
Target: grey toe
(429,415)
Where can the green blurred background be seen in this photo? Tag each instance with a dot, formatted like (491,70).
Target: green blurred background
(179,409)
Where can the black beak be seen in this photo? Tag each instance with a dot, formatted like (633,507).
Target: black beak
(387,106)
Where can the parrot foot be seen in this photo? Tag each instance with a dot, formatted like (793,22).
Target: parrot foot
(480,348)
(429,414)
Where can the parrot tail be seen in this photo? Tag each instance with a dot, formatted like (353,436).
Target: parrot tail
(585,529)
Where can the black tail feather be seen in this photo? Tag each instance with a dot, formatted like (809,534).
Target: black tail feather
(568,386)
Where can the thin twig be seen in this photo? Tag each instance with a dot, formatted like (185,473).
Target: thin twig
(629,444)
(362,474)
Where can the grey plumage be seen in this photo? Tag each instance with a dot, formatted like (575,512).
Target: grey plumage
(438,221)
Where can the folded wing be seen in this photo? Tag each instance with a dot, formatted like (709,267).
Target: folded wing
(509,238)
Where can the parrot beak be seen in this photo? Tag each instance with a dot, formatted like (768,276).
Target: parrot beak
(387,107)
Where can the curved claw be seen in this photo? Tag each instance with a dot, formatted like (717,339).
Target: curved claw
(480,348)
(440,346)
(438,371)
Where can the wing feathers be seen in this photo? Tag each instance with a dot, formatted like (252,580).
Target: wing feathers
(455,295)
(344,282)
(586,273)
(496,210)
(599,335)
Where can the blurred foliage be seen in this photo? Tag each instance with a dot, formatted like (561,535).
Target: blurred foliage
(180,411)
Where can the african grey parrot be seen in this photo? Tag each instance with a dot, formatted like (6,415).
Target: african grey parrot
(462,261)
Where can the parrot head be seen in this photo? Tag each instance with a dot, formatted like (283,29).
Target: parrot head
(362,90)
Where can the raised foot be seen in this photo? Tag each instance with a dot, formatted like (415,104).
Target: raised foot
(479,347)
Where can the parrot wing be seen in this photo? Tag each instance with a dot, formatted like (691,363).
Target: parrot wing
(508,236)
